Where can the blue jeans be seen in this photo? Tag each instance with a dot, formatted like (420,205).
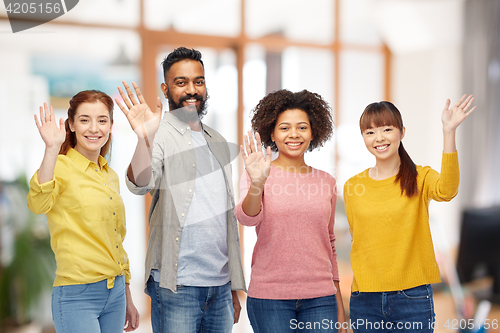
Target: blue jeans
(89,308)
(409,310)
(191,309)
(295,315)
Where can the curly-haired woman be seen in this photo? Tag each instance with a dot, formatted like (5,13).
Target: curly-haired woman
(294,282)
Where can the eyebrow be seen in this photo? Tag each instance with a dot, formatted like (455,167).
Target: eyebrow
(86,115)
(287,123)
(185,78)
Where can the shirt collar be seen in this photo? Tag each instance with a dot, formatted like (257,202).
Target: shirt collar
(82,162)
(181,126)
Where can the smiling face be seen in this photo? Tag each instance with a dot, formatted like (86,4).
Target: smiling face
(292,133)
(382,129)
(185,85)
(383,141)
(92,126)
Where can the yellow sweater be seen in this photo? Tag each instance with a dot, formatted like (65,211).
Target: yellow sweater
(391,244)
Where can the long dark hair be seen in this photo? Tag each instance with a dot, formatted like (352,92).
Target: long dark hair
(86,96)
(386,114)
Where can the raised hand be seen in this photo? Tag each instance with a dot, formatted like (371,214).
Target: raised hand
(454,116)
(52,135)
(142,119)
(256,164)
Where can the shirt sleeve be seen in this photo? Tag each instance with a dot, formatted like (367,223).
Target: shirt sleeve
(444,186)
(244,219)
(157,169)
(42,197)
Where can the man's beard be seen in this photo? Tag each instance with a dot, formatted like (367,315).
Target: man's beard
(202,109)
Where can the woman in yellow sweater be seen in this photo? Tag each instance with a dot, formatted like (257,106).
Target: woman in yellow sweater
(80,194)
(392,255)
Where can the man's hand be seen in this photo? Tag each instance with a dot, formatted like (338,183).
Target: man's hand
(236,306)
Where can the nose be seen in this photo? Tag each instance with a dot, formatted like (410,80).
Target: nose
(379,136)
(293,132)
(93,127)
(190,88)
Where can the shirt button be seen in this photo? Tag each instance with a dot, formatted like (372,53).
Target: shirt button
(177,239)
(189,142)
(188,128)
(117,246)
(114,213)
(194,165)
(190,190)
(104,184)
(96,170)
(182,214)
(110,198)
(175,264)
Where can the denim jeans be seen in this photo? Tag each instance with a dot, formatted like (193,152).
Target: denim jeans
(409,310)
(296,315)
(191,309)
(89,308)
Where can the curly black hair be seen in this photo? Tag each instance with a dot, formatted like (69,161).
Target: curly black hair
(266,113)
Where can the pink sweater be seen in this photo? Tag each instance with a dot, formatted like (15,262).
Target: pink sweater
(294,257)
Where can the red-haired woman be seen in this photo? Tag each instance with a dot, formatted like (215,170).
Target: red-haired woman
(392,255)
(79,193)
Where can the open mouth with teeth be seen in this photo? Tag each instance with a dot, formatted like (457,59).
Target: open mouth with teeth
(93,138)
(382,148)
(293,144)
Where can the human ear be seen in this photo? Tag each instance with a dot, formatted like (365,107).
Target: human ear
(164,88)
(403,133)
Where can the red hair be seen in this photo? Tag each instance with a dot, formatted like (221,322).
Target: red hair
(86,96)
(386,114)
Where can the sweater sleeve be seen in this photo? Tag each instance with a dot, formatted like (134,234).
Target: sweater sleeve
(444,186)
(335,269)
(243,218)
(346,205)
(42,197)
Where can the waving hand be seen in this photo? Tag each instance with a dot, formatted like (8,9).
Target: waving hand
(454,116)
(52,135)
(142,119)
(256,164)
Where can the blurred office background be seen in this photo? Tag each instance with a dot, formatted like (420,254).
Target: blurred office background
(415,53)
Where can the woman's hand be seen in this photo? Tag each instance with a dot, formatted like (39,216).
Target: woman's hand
(454,116)
(256,164)
(142,119)
(132,315)
(52,136)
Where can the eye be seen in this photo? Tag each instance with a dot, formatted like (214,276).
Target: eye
(388,129)
(368,132)
(103,121)
(284,128)
(303,127)
(200,82)
(84,120)
(180,83)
